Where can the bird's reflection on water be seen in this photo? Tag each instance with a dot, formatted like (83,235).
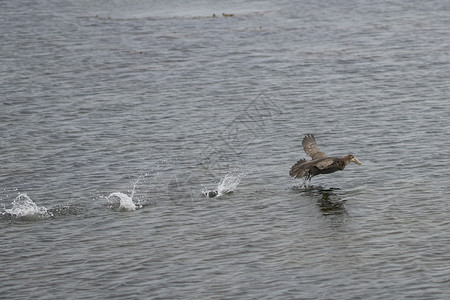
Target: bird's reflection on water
(329,201)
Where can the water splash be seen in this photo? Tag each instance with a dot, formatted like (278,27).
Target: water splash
(228,184)
(305,184)
(124,203)
(24,208)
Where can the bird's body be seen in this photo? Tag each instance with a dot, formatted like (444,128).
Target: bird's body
(320,163)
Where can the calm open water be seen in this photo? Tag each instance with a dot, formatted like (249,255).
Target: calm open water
(118,116)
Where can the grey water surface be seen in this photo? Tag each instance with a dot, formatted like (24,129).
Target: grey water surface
(119,117)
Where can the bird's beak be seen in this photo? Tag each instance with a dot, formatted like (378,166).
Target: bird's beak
(356,161)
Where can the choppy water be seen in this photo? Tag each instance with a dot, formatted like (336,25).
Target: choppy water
(117,117)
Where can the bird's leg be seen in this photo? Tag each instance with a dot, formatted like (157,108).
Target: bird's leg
(307,180)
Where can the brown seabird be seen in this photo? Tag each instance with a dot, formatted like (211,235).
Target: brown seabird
(320,163)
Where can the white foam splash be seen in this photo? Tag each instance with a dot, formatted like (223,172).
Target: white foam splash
(125,202)
(24,207)
(227,184)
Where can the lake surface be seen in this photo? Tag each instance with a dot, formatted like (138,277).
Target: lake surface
(119,117)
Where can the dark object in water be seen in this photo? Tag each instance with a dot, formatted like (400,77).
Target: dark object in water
(211,193)
(227,15)
(320,163)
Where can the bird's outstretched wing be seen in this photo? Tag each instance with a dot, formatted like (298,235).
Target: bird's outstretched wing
(311,148)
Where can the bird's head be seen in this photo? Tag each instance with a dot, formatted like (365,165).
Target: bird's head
(350,158)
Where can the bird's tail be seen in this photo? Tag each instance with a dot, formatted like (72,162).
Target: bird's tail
(299,169)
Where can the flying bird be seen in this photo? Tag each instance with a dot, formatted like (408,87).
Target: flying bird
(320,162)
